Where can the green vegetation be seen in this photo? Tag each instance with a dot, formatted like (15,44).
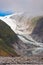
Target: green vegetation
(7,38)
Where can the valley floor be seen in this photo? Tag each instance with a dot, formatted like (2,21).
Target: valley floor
(32,60)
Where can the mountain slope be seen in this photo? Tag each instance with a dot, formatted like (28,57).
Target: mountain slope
(29,25)
(10,44)
(29,34)
(7,38)
(37,33)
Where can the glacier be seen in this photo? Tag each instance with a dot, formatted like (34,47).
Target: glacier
(21,24)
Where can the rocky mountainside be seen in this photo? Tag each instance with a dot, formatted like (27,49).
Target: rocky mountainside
(21,35)
(37,33)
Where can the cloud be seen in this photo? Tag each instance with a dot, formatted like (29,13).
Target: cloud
(22,5)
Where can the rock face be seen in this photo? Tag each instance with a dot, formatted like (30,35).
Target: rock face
(37,33)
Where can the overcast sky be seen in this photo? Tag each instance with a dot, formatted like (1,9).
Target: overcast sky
(22,5)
